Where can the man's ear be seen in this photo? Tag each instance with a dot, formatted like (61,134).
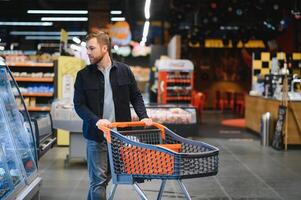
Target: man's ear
(105,47)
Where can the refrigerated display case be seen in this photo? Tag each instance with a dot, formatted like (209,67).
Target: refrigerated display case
(175,81)
(18,150)
(181,118)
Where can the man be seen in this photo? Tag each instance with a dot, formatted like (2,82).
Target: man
(103,93)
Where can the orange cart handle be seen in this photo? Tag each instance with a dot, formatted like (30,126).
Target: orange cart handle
(107,133)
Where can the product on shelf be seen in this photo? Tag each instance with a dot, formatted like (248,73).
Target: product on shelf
(33,74)
(175,81)
(20,57)
(36,85)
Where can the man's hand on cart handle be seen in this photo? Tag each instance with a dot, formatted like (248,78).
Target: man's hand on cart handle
(147,121)
(103,122)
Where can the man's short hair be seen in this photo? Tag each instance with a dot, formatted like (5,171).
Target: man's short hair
(102,38)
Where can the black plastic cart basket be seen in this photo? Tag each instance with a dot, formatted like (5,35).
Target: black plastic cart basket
(156,153)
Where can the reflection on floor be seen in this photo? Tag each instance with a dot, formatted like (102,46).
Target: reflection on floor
(246,171)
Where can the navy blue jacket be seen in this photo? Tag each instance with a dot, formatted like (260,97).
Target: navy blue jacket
(89,97)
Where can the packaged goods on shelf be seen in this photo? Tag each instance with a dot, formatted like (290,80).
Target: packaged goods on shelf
(20,57)
(175,81)
(35,76)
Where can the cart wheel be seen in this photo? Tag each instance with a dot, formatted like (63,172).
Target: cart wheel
(67,161)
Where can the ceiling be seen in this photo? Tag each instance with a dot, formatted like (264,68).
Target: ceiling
(193,19)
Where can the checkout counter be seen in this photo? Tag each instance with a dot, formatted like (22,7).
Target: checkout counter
(65,118)
(256,106)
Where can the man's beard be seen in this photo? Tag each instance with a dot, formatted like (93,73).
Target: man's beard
(97,60)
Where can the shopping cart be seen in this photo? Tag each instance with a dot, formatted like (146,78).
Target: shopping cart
(156,153)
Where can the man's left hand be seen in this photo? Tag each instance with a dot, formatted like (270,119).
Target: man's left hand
(147,121)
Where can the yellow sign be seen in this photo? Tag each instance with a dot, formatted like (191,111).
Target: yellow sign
(66,74)
(64,41)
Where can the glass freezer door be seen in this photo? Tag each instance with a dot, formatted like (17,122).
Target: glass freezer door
(17,121)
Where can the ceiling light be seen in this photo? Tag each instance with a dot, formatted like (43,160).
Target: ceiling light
(64,19)
(44,37)
(147,8)
(145,29)
(275,6)
(26,23)
(57,12)
(76,40)
(117,19)
(2,48)
(116,12)
(75,47)
(46,33)
(83,44)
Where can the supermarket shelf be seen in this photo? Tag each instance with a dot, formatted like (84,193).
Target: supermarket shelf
(178,81)
(24,64)
(37,94)
(44,108)
(31,79)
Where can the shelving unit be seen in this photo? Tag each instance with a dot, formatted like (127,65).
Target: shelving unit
(30,79)
(38,109)
(37,94)
(39,90)
(175,81)
(29,64)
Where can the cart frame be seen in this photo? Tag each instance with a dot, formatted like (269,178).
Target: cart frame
(133,162)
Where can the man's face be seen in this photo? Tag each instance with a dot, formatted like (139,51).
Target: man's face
(95,51)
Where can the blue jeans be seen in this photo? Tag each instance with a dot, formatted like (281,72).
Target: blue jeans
(98,169)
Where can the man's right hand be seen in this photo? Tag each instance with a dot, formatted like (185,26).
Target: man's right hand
(103,122)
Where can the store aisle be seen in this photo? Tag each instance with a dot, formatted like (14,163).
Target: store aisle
(246,171)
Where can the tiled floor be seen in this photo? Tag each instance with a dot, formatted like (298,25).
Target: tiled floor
(246,171)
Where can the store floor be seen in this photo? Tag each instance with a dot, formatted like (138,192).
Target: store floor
(246,171)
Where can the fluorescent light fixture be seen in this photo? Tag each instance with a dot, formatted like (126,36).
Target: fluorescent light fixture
(76,40)
(116,12)
(145,29)
(146,9)
(44,37)
(117,19)
(67,12)
(75,19)
(74,47)
(13,45)
(83,44)
(26,23)
(2,48)
(142,43)
(46,33)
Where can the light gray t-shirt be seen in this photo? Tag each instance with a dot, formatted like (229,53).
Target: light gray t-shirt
(108,105)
